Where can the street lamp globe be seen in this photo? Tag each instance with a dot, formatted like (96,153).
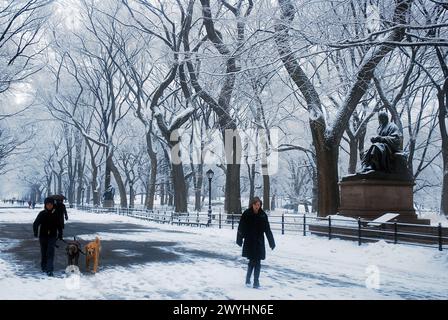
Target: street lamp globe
(210,174)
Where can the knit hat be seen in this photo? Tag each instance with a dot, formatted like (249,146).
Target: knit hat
(48,200)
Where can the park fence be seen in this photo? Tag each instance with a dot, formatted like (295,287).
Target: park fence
(359,230)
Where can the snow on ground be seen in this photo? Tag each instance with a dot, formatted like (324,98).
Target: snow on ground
(435,219)
(211,267)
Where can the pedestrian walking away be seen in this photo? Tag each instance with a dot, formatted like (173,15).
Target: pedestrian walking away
(60,207)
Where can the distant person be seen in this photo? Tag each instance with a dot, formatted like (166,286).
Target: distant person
(252,227)
(61,209)
(33,204)
(29,204)
(48,227)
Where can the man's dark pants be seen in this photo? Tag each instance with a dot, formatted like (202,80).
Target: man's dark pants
(47,248)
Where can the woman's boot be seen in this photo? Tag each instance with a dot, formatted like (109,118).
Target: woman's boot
(250,268)
(257,268)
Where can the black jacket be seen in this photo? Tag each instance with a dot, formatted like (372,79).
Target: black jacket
(49,223)
(252,228)
(61,211)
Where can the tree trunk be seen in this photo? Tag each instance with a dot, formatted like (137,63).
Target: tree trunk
(71,191)
(198,174)
(197,198)
(327,178)
(94,182)
(361,140)
(353,159)
(444,197)
(71,173)
(178,186)
(180,190)
(80,171)
(107,176)
(162,194)
(265,173)
(55,184)
(315,193)
(442,97)
(153,176)
(152,185)
(49,185)
(88,194)
(120,184)
(251,174)
(264,165)
(131,197)
(233,196)
(266,193)
(170,191)
(198,188)
(94,185)
(79,192)
(39,195)
(59,184)
(232,146)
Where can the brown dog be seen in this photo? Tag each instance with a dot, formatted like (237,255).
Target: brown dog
(73,250)
(93,253)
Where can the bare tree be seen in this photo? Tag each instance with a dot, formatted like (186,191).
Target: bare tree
(9,145)
(327,136)
(21,31)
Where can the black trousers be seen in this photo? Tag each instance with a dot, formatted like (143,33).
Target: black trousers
(47,248)
(255,266)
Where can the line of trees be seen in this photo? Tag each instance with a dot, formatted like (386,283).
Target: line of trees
(124,78)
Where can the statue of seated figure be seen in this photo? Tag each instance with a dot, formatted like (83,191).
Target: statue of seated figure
(109,193)
(385,158)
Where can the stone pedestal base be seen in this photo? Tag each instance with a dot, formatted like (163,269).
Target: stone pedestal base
(108,203)
(371,198)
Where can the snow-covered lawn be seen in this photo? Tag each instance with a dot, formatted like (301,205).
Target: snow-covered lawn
(210,266)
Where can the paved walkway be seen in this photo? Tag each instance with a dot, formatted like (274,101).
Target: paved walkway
(162,261)
(113,252)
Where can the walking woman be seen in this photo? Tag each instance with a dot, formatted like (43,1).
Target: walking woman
(252,227)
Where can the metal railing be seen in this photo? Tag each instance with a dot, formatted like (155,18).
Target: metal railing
(299,224)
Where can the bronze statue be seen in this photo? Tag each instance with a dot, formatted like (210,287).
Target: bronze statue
(109,193)
(388,142)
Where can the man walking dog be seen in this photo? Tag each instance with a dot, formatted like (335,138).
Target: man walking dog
(50,230)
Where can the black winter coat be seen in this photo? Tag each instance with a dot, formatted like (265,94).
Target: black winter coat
(61,211)
(50,224)
(252,228)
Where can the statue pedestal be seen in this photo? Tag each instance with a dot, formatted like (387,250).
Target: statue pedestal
(371,198)
(108,203)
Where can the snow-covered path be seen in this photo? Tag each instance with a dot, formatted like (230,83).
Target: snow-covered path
(145,260)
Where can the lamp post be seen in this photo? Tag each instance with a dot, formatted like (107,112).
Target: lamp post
(210,174)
